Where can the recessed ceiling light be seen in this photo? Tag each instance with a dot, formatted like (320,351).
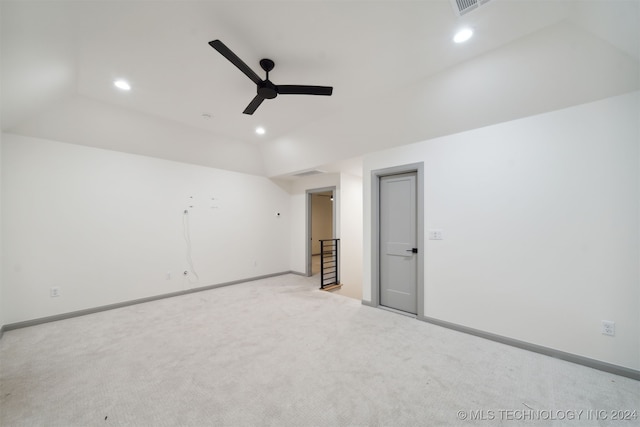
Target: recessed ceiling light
(122,84)
(463,35)
(260,130)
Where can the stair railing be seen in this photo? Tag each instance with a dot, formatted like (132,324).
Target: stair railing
(329,263)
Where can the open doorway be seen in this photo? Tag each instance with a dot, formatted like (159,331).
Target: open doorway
(321,224)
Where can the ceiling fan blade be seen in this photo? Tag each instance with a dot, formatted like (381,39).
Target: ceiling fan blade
(233,58)
(253,105)
(304,90)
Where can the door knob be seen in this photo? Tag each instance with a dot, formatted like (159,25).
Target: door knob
(413,250)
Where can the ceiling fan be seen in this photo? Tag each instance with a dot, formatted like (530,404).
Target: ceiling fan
(265,88)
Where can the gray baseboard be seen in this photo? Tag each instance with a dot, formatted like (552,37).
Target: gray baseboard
(569,357)
(62,316)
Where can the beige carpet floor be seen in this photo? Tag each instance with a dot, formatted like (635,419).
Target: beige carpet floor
(279,352)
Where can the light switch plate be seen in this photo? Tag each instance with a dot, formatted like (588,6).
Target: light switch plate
(435,235)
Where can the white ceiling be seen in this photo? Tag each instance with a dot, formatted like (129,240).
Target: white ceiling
(387,62)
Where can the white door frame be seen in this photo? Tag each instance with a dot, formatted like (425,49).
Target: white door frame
(308,224)
(418,168)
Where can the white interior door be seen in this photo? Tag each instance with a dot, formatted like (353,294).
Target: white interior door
(398,259)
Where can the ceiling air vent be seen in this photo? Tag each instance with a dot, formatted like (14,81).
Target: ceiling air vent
(460,7)
(308,173)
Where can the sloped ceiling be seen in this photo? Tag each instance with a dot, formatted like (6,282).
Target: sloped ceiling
(397,76)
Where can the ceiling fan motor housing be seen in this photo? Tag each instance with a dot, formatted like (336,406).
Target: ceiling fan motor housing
(267,90)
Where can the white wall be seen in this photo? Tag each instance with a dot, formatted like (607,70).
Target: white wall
(541,228)
(106,226)
(298,189)
(348,208)
(2,302)
(350,235)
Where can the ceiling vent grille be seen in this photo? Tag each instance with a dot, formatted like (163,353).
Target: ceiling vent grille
(308,173)
(461,7)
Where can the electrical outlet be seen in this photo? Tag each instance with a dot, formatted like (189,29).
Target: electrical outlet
(54,292)
(435,235)
(608,328)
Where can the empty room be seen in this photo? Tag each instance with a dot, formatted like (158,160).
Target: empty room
(320,213)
